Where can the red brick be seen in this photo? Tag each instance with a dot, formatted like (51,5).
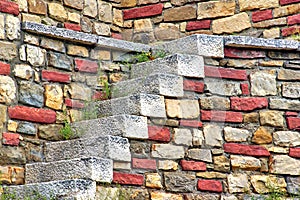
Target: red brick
(294,152)
(54,76)
(245,88)
(293,123)
(294,19)
(243,53)
(195,86)
(74,27)
(210,185)
(196,25)
(128,179)
(261,15)
(191,123)
(291,114)
(225,73)
(38,115)
(12,139)
(159,133)
(145,11)
(99,95)
(86,65)
(221,116)
(74,103)
(4,68)
(248,103)
(116,36)
(284,2)
(9,7)
(243,149)
(290,30)
(143,163)
(193,165)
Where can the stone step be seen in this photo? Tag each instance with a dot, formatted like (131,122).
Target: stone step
(179,64)
(198,44)
(76,189)
(149,105)
(96,169)
(129,126)
(111,147)
(161,84)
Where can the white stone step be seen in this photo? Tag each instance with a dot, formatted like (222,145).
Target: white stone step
(179,64)
(161,84)
(76,189)
(111,147)
(148,105)
(96,169)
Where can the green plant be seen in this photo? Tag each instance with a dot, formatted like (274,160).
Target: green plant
(66,131)
(295,37)
(106,89)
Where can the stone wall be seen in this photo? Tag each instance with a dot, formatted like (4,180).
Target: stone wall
(234,131)
(148,21)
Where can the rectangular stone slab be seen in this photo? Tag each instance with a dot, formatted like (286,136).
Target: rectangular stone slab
(179,64)
(96,169)
(161,84)
(111,147)
(76,188)
(129,126)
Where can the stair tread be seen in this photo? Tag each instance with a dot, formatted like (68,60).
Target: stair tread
(158,83)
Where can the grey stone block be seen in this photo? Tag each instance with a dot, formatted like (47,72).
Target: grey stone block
(77,189)
(252,42)
(122,45)
(111,147)
(161,84)
(149,105)
(129,126)
(203,45)
(96,169)
(180,64)
(60,33)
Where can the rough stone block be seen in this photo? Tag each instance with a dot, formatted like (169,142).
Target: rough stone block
(55,76)
(286,138)
(142,104)
(236,134)
(203,45)
(159,133)
(283,164)
(200,154)
(284,104)
(263,83)
(8,91)
(143,163)
(210,185)
(179,182)
(223,87)
(180,13)
(293,123)
(192,165)
(271,118)
(167,151)
(244,163)
(221,116)
(31,94)
(248,103)
(128,179)
(111,147)
(161,84)
(250,150)
(187,109)
(232,52)
(8,51)
(180,64)
(260,4)
(258,16)
(225,73)
(195,86)
(9,7)
(145,11)
(293,185)
(76,188)
(290,75)
(215,9)
(128,126)
(213,135)
(238,183)
(95,169)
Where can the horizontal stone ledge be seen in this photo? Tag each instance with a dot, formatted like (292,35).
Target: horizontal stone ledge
(261,43)
(60,33)
(83,38)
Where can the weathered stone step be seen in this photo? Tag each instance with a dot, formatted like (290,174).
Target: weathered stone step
(76,189)
(129,126)
(180,64)
(149,105)
(96,169)
(111,147)
(161,84)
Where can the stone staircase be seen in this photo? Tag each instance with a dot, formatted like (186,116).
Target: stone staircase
(73,167)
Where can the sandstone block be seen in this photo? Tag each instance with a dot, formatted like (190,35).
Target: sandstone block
(221,87)
(284,104)
(221,163)
(167,151)
(183,137)
(2,27)
(244,162)
(8,51)
(200,154)
(182,108)
(12,27)
(180,13)
(236,134)
(291,90)
(231,24)
(78,4)
(105,11)
(53,44)
(215,9)
(262,136)
(259,4)
(162,196)
(238,183)
(286,138)
(167,165)
(215,103)
(35,55)
(7,90)
(263,83)
(264,184)
(50,132)
(53,96)
(153,180)
(213,135)
(283,164)
(57,11)
(75,50)
(287,74)
(37,7)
